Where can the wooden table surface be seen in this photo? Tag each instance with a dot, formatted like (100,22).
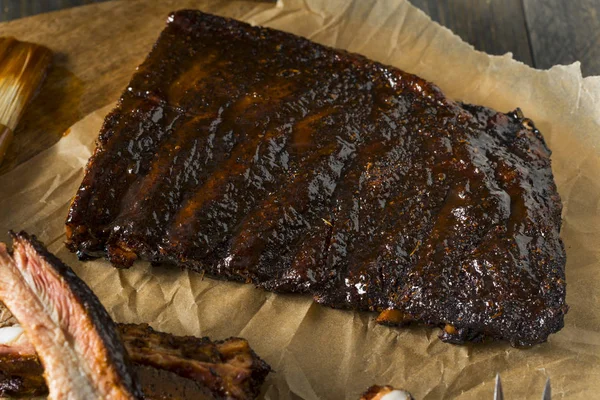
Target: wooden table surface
(97,46)
(540,33)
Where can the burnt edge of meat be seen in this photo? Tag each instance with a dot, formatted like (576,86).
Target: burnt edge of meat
(101,321)
(516,133)
(145,345)
(260,369)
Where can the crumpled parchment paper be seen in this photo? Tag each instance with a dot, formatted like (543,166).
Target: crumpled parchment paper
(320,353)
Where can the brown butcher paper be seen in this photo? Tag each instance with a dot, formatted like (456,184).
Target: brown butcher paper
(321,353)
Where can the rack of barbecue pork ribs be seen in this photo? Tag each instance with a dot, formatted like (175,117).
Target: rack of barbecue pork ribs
(259,156)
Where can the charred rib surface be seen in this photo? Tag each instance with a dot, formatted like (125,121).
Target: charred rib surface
(262,157)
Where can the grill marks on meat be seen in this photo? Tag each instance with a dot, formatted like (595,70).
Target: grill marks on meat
(259,156)
(169,367)
(71,332)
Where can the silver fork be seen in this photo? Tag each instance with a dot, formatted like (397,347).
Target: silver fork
(498,395)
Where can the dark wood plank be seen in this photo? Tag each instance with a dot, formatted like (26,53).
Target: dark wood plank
(560,31)
(496,27)
(12,9)
(564,31)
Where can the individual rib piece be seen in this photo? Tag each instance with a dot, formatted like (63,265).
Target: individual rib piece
(227,369)
(259,156)
(72,333)
(223,369)
(169,367)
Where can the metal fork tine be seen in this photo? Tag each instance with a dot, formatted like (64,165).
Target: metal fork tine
(547,391)
(498,395)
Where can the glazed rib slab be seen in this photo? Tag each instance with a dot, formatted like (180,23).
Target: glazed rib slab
(259,156)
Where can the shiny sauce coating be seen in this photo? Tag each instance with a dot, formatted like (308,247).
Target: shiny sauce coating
(259,156)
